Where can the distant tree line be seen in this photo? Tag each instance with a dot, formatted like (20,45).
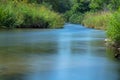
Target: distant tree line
(80,5)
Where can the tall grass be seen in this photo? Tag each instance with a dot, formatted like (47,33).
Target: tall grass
(113,30)
(98,20)
(22,14)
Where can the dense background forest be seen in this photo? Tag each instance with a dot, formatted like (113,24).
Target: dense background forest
(100,14)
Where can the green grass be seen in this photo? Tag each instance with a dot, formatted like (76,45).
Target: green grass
(98,20)
(22,14)
(106,21)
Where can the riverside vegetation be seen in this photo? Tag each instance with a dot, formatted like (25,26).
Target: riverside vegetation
(22,14)
(100,14)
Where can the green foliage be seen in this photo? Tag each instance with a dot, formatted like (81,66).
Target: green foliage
(104,5)
(98,4)
(20,13)
(113,30)
(81,6)
(57,5)
(76,13)
(114,4)
(73,17)
(76,18)
(67,15)
(97,20)
(8,18)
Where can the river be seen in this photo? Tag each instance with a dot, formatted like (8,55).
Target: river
(71,53)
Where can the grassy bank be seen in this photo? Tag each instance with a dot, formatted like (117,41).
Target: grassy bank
(109,21)
(98,20)
(15,14)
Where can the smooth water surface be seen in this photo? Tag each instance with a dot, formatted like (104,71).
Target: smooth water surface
(72,53)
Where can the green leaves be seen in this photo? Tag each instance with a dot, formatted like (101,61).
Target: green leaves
(28,15)
(76,18)
(113,30)
(104,4)
(98,20)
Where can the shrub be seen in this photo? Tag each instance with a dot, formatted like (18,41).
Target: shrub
(67,15)
(23,14)
(7,16)
(97,20)
(113,30)
(73,17)
(76,18)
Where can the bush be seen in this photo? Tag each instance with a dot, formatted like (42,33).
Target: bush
(76,18)
(67,15)
(113,30)
(97,20)
(73,17)
(7,16)
(22,14)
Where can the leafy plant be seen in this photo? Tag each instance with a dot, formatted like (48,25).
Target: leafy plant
(113,30)
(22,14)
(97,20)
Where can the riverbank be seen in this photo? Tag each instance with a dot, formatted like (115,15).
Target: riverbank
(21,14)
(108,21)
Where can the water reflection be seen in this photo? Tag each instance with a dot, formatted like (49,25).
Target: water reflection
(64,55)
(71,53)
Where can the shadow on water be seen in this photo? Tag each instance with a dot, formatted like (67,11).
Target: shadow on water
(71,53)
(112,53)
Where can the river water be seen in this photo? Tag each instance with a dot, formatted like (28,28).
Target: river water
(71,53)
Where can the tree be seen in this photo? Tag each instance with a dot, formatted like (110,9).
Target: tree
(104,4)
(57,5)
(81,6)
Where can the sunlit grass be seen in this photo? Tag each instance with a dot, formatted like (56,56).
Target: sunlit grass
(98,20)
(17,14)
